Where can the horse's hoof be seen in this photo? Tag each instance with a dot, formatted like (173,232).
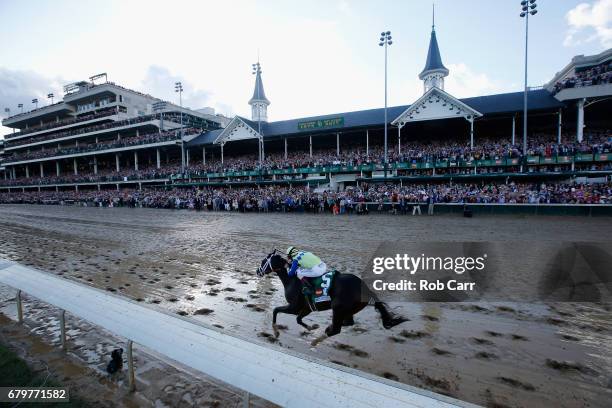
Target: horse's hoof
(276,332)
(313,327)
(329,331)
(395,322)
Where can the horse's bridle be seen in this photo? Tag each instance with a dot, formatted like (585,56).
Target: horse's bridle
(261,271)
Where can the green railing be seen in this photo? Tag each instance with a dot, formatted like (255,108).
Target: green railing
(529,160)
(226,183)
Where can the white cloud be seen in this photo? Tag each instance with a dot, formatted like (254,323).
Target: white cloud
(313,62)
(20,86)
(344,7)
(159,82)
(590,22)
(463,82)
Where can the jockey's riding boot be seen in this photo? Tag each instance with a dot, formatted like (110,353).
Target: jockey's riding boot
(307,288)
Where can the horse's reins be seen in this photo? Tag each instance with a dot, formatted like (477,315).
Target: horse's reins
(266,265)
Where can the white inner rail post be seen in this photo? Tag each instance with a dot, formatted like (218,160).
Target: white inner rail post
(19,307)
(130,357)
(63,329)
(280,376)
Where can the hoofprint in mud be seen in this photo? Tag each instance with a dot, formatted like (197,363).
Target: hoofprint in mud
(199,265)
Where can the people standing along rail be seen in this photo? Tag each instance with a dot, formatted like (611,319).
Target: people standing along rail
(305,199)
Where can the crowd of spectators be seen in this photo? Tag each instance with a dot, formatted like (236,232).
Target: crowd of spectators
(304,199)
(95,128)
(107,175)
(599,74)
(155,137)
(69,121)
(410,153)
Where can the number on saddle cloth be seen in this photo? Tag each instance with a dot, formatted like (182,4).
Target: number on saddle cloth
(321,285)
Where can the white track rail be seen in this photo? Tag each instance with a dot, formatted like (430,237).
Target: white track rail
(282,377)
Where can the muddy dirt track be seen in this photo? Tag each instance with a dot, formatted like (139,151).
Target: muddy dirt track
(202,265)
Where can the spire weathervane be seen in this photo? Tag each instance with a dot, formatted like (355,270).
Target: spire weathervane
(259,103)
(434,72)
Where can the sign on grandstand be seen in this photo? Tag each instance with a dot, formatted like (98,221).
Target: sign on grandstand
(321,124)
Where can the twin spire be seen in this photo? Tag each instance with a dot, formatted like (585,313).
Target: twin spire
(434,72)
(432,76)
(259,103)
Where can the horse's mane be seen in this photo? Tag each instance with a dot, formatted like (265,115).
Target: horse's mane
(277,261)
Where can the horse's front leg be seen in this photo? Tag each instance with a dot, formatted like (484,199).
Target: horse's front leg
(288,309)
(303,313)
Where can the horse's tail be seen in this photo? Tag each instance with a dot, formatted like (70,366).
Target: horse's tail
(389,319)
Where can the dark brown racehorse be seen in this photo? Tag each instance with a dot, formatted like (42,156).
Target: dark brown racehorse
(349,295)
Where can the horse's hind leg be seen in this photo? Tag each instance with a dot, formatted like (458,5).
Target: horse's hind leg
(332,329)
(336,326)
(348,321)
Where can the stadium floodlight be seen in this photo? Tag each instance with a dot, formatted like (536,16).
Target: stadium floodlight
(35,102)
(528,7)
(20,106)
(50,96)
(385,40)
(178,87)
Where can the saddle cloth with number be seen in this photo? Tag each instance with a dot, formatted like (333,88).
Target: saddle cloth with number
(321,285)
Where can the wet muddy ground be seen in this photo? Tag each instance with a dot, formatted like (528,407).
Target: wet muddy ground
(202,265)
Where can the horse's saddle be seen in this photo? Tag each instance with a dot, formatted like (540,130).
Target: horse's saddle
(321,285)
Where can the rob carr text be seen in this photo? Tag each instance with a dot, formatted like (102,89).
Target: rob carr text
(422,284)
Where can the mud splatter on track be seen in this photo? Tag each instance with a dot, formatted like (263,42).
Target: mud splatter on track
(202,265)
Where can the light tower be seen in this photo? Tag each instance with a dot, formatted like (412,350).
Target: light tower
(528,7)
(386,41)
(178,87)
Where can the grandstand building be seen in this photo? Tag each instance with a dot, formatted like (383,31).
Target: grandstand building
(554,114)
(105,136)
(100,134)
(3,173)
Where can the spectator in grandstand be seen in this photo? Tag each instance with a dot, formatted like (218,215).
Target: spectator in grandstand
(285,199)
(599,74)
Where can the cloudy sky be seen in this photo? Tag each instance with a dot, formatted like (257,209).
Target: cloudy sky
(317,56)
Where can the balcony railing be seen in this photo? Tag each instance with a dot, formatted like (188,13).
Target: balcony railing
(112,144)
(65,122)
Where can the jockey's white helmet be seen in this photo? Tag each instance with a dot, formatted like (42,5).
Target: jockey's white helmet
(292,251)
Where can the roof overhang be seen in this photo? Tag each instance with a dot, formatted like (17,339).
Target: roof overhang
(237,129)
(442,71)
(46,112)
(436,104)
(579,61)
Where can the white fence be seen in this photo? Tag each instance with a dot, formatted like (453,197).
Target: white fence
(282,377)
